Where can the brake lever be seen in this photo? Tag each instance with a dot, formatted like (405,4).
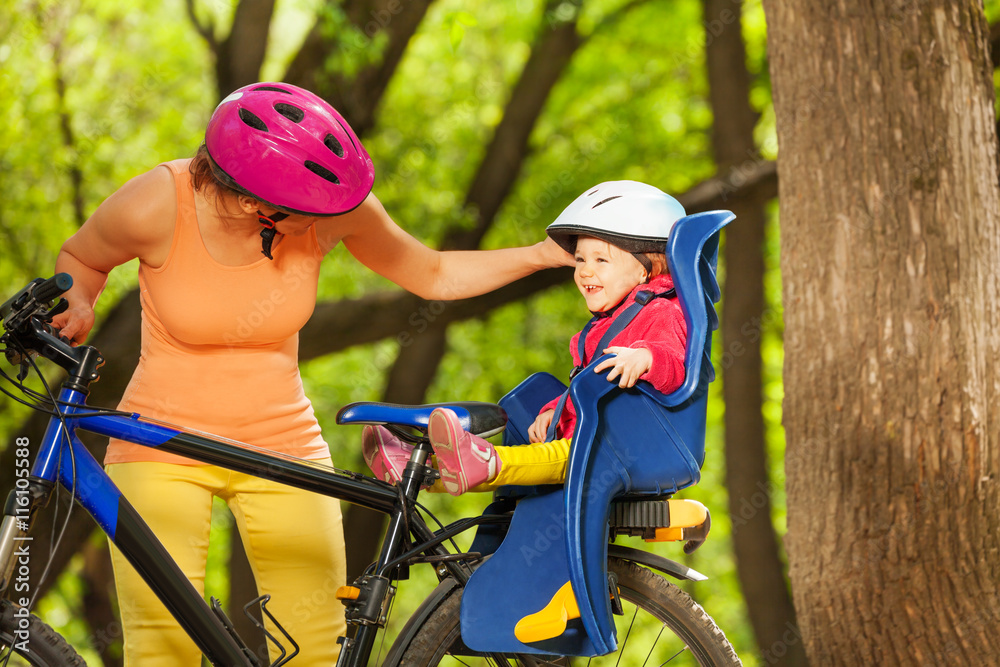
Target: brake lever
(60,307)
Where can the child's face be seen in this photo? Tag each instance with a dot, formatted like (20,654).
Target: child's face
(605,274)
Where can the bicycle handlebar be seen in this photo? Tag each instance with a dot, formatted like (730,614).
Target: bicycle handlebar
(34,298)
(26,317)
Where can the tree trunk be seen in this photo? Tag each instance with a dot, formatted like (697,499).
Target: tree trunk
(99,612)
(358,98)
(242,589)
(239,57)
(409,378)
(890,217)
(759,562)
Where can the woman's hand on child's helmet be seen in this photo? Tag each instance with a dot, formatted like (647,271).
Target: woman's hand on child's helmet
(540,427)
(628,364)
(554,255)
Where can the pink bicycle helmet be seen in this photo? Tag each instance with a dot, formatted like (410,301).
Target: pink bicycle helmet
(287,147)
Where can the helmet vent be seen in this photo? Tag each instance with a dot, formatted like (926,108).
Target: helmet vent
(293,114)
(604,201)
(322,172)
(593,192)
(252,120)
(334,145)
(273,89)
(350,135)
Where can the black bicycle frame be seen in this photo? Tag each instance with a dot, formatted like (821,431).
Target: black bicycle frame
(63,458)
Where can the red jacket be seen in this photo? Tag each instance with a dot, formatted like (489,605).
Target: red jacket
(659,327)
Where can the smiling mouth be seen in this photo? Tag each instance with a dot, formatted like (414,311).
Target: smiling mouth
(590,289)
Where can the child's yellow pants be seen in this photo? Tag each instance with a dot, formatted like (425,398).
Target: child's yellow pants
(294,541)
(537,463)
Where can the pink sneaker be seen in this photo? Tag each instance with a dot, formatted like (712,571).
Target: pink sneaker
(464,460)
(384,453)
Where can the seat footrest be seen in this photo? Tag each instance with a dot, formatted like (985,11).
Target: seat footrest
(662,521)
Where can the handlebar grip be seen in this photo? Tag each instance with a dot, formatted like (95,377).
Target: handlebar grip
(51,288)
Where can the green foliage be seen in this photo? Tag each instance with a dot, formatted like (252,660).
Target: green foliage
(631,104)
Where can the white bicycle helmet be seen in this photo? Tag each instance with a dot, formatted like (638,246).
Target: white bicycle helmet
(633,216)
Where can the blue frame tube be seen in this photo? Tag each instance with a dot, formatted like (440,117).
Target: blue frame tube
(232,456)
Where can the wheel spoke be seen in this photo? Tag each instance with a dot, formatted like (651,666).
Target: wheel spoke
(671,658)
(628,633)
(655,642)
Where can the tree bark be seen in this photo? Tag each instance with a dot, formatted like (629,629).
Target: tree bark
(890,215)
(759,562)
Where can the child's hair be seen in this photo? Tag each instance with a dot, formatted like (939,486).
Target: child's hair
(657,263)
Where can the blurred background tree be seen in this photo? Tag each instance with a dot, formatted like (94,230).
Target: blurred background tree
(484,120)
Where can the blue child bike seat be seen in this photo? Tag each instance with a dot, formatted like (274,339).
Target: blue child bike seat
(627,442)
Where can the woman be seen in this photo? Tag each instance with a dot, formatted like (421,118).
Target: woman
(282,175)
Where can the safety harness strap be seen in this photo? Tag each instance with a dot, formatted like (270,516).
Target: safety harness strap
(623,320)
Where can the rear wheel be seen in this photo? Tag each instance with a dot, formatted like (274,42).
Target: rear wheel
(661,625)
(26,640)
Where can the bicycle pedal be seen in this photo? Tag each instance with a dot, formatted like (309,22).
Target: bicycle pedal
(284,656)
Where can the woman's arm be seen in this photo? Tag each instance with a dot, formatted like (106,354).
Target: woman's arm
(135,221)
(381,245)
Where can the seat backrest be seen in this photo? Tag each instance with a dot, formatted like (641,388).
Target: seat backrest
(692,255)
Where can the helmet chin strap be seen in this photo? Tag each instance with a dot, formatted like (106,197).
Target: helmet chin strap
(268,233)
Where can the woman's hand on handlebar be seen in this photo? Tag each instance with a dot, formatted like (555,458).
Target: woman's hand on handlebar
(75,323)
(540,427)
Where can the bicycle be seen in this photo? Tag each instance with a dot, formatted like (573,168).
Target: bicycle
(430,635)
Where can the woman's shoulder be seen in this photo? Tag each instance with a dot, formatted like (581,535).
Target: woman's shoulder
(147,198)
(143,210)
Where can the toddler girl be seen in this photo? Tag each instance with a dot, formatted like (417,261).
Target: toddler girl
(617,232)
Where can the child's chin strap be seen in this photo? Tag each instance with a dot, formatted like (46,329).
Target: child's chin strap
(268,233)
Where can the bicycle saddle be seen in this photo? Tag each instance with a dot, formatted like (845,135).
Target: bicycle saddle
(482,419)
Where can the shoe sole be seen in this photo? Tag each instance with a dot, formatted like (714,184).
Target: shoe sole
(449,460)
(382,470)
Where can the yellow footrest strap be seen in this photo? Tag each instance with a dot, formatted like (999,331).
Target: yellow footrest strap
(551,621)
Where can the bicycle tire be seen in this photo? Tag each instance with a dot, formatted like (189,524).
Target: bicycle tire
(43,648)
(700,641)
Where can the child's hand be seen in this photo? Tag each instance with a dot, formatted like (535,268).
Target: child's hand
(538,428)
(630,363)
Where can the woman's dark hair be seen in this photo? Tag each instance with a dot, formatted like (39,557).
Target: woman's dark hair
(202,174)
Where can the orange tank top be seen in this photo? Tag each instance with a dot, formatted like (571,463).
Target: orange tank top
(220,343)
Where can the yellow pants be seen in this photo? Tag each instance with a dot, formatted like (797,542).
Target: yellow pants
(294,541)
(527,465)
